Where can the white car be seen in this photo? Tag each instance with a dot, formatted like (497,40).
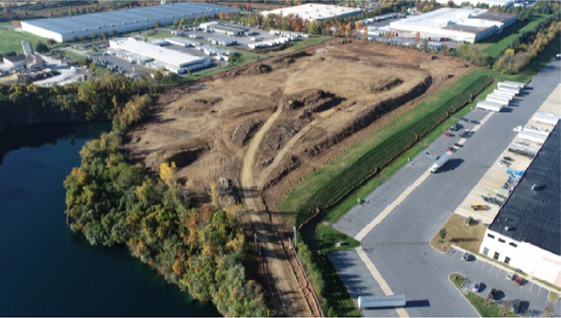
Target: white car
(517,129)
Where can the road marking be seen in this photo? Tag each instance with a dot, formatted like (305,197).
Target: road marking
(539,291)
(476,260)
(531,287)
(483,265)
(492,267)
(498,273)
(377,220)
(378,278)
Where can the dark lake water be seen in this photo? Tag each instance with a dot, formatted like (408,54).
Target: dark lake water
(45,270)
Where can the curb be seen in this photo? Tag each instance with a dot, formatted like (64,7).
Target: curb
(460,292)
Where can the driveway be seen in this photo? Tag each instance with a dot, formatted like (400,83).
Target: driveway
(398,245)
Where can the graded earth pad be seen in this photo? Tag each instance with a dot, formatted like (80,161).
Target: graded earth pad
(325,98)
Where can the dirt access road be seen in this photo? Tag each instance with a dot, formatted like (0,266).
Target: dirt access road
(288,292)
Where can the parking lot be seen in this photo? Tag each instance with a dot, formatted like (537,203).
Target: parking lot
(242,41)
(533,297)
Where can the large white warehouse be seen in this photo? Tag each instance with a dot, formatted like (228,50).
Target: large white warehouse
(526,234)
(64,29)
(169,59)
(463,25)
(316,12)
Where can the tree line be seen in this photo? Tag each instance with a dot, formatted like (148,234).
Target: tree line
(527,46)
(112,202)
(99,98)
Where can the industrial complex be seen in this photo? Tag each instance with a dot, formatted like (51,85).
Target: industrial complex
(462,25)
(316,12)
(122,21)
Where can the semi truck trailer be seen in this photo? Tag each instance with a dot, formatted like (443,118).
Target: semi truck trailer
(440,162)
(381,301)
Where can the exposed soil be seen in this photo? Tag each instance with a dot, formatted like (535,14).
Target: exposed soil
(330,95)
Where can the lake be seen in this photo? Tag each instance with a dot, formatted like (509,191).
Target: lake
(45,270)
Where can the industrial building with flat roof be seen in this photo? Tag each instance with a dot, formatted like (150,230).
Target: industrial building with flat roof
(463,25)
(64,29)
(316,12)
(169,59)
(526,233)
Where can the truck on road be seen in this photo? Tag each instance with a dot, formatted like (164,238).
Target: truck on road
(440,162)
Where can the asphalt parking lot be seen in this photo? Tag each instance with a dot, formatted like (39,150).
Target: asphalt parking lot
(398,245)
(490,276)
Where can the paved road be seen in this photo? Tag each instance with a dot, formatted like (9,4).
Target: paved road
(397,246)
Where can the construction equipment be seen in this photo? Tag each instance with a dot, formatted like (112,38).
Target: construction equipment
(479,207)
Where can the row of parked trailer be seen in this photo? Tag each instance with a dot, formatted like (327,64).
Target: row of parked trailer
(501,96)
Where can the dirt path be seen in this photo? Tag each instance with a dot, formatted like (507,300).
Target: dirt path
(287,290)
(289,145)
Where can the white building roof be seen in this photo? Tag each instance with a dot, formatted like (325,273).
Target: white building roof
(125,20)
(465,24)
(168,56)
(313,12)
(474,2)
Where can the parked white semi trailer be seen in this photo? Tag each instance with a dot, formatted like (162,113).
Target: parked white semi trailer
(492,106)
(381,301)
(510,90)
(505,96)
(440,162)
(510,84)
(498,100)
(510,96)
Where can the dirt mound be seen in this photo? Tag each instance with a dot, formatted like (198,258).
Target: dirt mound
(386,84)
(312,100)
(368,116)
(182,156)
(199,105)
(259,69)
(243,133)
(289,164)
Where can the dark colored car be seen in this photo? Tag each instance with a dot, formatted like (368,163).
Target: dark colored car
(516,305)
(492,294)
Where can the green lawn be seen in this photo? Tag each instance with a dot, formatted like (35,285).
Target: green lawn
(10,40)
(307,42)
(457,279)
(321,240)
(488,308)
(496,44)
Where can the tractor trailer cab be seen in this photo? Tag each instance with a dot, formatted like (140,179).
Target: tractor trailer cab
(440,162)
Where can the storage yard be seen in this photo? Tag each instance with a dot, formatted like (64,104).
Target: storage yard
(206,128)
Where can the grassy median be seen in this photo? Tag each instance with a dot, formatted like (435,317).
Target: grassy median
(485,307)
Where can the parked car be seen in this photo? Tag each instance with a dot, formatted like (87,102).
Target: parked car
(475,288)
(493,293)
(466,257)
(516,305)
(473,121)
(457,145)
(518,280)
(507,158)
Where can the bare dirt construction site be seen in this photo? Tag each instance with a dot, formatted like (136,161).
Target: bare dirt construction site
(322,97)
(255,130)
